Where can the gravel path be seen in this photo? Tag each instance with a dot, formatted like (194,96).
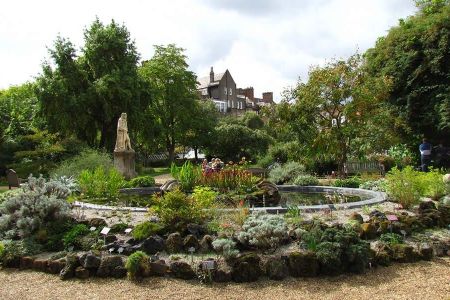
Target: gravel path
(422,280)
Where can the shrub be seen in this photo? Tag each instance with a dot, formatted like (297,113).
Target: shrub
(71,237)
(391,239)
(145,229)
(401,155)
(226,247)
(352,182)
(137,265)
(305,180)
(434,186)
(404,186)
(2,250)
(141,181)
(176,210)
(263,230)
(119,227)
(9,194)
(14,250)
(187,175)
(87,160)
(285,173)
(233,178)
(40,204)
(374,185)
(204,196)
(101,184)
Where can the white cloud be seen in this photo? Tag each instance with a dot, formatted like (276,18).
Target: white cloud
(266,44)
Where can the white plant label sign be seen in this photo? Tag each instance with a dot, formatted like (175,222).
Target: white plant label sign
(208,264)
(105,230)
(92,228)
(128,230)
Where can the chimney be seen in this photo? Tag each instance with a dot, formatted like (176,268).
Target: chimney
(211,75)
(268,97)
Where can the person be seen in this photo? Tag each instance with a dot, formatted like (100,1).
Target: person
(425,154)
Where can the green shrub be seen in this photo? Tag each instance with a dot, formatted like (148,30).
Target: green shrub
(352,182)
(9,194)
(285,173)
(391,239)
(141,181)
(204,196)
(226,247)
(263,230)
(145,229)
(374,185)
(434,186)
(401,155)
(176,210)
(405,186)
(137,265)
(187,175)
(71,237)
(87,160)
(14,250)
(40,204)
(2,250)
(305,180)
(100,184)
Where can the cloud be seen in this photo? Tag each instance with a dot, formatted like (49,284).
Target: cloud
(266,44)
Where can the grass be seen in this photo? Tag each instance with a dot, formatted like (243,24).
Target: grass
(158,171)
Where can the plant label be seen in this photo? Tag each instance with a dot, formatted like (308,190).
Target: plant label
(92,228)
(111,250)
(392,218)
(105,230)
(120,250)
(128,230)
(403,232)
(208,264)
(191,249)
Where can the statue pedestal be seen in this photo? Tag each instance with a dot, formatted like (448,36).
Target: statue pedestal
(124,163)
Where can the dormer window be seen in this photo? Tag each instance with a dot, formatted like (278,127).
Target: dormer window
(230,92)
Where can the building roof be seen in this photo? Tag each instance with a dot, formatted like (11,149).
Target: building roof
(204,82)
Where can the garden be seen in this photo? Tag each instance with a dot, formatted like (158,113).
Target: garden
(327,182)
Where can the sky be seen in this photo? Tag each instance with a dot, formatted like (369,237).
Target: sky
(267,44)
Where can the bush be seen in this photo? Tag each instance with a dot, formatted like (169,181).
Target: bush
(14,250)
(391,239)
(145,229)
(9,194)
(285,173)
(101,184)
(204,196)
(71,237)
(352,182)
(187,175)
(176,210)
(40,204)
(374,185)
(405,186)
(2,250)
(137,265)
(87,160)
(434,186)
(226,247)
(141,181)
(263,230)
(304,180)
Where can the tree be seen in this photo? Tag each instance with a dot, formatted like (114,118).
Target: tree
(416,56)
(334,108)
(201,133)
(174,92)
(85,94)
(234,141)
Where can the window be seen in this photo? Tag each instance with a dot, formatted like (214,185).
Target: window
(334,122)
(225,90)
(229,103)
(230,91)
(232,104)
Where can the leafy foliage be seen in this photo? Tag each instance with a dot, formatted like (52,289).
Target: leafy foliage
(352,182)
(88,159)
(187,175)
(137,264)
(414,55)
(405,186)
(391,239)
(101,184)
(71,237)
(40,204)
(226,247)
(263,230)
(284,173)
(141,181)
(85,94)
(146,229)
(305,180)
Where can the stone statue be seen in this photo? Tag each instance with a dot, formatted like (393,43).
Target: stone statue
(123,140)
(123,153)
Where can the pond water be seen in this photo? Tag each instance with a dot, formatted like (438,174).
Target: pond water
(303,198)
